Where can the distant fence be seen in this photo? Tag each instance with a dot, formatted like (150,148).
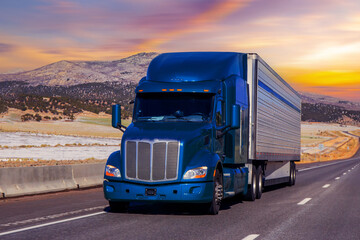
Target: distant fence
(34,180)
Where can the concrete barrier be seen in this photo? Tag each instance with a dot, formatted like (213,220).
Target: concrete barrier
(88,175)
(34,180)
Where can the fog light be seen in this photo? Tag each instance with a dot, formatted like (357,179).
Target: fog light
(109,189)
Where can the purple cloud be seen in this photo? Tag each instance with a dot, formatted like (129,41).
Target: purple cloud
(4,47)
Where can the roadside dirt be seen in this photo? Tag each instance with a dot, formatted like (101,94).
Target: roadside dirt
(37,163)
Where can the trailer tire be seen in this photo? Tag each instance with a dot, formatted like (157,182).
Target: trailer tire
(292,174)
(118,206)
(259,182)
(251,192)
(218,193)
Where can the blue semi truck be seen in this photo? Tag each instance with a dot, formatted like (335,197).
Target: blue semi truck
(205,126)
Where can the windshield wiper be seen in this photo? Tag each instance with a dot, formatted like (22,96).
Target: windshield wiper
(203,116)
(173,117)
(150,119)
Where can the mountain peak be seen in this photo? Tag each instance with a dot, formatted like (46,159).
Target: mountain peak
(315,98)
(68,73)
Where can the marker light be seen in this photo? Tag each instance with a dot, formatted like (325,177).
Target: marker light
(199,172)
(206,90)
(141,90)
(171,90)
(179,90)
(112,171)
(164,90)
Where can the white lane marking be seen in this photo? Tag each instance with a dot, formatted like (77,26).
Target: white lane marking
(50,223)
(51,217)
(326,186)
(251,237)
(306,169)
(337,178)
(304,201)
(344,173)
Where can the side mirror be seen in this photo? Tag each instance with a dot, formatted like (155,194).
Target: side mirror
(116,116)
(235,117)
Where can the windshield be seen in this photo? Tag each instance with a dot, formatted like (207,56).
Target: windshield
(192,107)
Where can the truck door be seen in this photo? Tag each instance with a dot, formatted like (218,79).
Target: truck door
(220,123)
(241,138)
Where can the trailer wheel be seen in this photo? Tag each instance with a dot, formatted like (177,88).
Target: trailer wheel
(217,193)
(118,206)
(259,182)
(292,174)
(251,192)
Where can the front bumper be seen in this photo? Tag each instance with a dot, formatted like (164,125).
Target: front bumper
(178,192)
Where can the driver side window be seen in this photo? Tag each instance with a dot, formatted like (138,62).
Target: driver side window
(220,113)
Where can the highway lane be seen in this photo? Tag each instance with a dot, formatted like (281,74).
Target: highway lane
(324,204)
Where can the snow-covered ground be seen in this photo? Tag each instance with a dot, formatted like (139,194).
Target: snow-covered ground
(314,127)
(19,145)
(15,139)
(58,153)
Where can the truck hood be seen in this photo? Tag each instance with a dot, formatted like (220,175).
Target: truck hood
(180,131)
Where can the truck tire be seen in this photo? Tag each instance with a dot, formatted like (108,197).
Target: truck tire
(259,182)
(292,174)
(251,192)
(217,193)
(118,206)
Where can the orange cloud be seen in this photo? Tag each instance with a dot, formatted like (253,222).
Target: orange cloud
(341,84)
(217,12)
(328,78)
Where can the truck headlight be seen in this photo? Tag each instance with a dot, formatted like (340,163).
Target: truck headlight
(199,172)
(112,171)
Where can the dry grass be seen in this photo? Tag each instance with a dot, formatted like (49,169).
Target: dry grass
(338,145)
(62,128)
(94,125)
(343,149)
(36,163)
(356,132)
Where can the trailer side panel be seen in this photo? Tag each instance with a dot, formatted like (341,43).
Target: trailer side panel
(278,116)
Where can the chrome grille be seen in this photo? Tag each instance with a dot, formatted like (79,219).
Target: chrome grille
(152,161)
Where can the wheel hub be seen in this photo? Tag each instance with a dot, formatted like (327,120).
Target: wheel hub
(218,193)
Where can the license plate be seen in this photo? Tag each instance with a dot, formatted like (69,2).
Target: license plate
(150,191)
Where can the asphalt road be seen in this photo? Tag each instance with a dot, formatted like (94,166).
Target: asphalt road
(324,204)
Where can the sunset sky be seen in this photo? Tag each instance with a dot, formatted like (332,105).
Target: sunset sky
(313,44)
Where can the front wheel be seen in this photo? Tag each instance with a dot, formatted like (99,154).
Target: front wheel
(217,193)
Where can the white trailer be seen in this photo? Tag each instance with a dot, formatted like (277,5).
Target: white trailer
(274,126)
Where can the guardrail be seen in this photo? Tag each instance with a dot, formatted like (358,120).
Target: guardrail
(34,180)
